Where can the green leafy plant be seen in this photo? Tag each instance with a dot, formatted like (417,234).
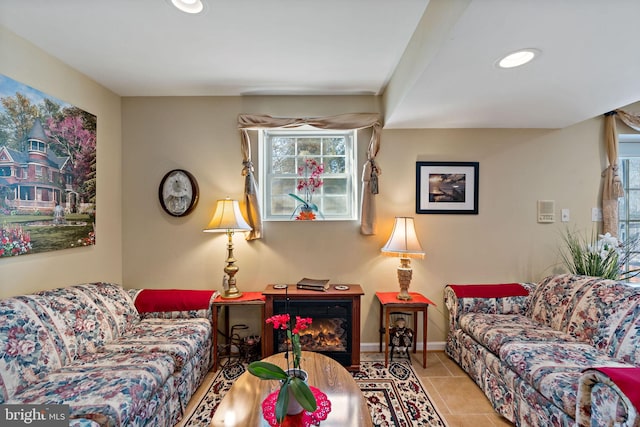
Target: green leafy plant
(599,256)
(292,381)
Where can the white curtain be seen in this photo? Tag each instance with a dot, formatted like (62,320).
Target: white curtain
(371,170)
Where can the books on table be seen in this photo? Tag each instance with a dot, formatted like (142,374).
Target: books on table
(314,284)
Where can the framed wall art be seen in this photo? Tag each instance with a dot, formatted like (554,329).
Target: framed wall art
(47,172)
(447,187)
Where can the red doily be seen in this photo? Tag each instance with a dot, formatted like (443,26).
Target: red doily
(303,419)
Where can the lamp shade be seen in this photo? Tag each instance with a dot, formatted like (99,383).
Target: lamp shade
(227,217)
(403,241)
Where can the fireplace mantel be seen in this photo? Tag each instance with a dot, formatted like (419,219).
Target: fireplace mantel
(352,295)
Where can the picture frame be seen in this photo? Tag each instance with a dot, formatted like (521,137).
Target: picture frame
(447,187)
(48,175)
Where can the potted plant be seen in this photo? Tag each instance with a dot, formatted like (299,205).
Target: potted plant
(600,256)
(311,173)
(293,381)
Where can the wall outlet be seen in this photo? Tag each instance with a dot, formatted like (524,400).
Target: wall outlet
(596,214)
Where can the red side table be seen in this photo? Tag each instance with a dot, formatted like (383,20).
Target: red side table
(417,304)
(247,298)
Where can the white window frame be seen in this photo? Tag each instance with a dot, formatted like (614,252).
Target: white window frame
(39,146)
(266,174)
(629,147)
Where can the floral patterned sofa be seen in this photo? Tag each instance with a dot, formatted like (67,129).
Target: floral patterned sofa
(551,354)
(89,347)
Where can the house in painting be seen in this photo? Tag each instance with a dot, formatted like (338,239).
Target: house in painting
(35,179)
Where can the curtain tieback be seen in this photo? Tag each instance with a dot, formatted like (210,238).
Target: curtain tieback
(614,186)
(247,167)
(614,171)
(374,177)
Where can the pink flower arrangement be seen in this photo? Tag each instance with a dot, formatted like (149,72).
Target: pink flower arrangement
(290,380)
(311,172)
(281,321)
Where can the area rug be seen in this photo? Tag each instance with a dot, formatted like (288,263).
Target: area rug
(395,395)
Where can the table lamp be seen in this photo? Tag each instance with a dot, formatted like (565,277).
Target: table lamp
(403,243)
(227,218)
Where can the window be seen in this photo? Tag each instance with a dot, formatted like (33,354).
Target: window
(37,146)
(629,204)
(283,152)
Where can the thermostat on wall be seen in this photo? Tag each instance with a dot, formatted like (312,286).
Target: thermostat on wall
(546,211)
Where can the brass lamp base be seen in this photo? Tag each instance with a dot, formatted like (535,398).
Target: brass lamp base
(230,294)
(404,279)
(231,269)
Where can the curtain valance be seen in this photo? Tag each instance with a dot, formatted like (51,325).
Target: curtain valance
(631,120)
(371,170)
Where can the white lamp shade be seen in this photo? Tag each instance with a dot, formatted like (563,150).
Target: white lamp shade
(403,241)
(227,217)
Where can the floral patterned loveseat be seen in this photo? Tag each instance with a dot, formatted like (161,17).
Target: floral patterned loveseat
(89,347)
(545,354)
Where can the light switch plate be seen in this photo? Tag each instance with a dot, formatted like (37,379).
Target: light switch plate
(564,216)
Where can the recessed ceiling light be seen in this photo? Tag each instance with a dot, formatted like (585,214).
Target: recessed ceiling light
(189,6)
(518,58)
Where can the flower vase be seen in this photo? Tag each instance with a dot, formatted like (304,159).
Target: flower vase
(306,214)
(294,407)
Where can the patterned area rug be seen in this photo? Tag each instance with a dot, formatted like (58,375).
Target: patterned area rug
(395,395)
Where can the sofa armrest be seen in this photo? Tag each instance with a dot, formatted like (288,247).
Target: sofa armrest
(173,303)
(497,298)
(609,396)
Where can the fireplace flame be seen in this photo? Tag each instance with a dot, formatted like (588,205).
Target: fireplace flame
(322,335)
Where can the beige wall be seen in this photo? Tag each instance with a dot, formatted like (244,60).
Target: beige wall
(29,65)
(503,243)
(140,246)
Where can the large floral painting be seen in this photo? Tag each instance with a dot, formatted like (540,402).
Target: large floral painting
(47,172)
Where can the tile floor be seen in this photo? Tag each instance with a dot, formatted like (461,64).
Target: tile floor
(459,400)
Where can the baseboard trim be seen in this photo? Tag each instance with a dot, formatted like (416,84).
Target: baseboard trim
(375,346)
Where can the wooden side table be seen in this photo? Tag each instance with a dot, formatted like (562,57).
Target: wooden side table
(417,304)
(247,298)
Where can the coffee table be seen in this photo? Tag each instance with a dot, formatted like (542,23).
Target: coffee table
(242,405)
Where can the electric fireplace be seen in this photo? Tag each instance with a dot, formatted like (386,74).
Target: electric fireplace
(335,330)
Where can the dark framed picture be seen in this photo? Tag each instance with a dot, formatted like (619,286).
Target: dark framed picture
(447,187)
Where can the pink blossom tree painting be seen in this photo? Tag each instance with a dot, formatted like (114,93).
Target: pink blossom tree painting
(47,172)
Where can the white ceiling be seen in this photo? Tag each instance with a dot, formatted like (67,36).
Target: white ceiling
(433,61)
